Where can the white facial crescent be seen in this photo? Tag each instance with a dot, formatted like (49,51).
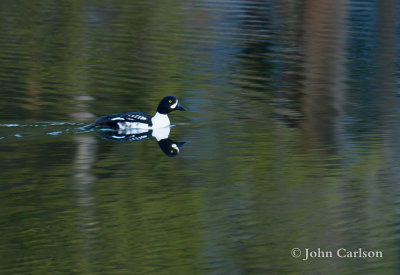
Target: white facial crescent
(175,147)
(174,105)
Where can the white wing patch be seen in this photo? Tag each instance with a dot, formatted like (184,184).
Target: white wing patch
(117,118)
(117,137)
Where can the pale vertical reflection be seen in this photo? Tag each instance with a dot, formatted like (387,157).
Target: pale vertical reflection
(81,114)
(386,75)
(324,62)
(83,162)
(83,180)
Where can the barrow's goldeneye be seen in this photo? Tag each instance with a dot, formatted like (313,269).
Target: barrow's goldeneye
(139,120)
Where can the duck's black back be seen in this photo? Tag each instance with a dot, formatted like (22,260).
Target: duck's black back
(111,121)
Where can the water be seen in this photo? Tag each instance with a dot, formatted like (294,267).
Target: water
(290,141)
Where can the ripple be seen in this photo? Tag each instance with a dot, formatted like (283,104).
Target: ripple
(293,128)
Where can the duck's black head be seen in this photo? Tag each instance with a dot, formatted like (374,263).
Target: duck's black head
(169,104)
(170,147)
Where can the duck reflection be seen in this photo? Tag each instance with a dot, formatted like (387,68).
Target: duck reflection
(169,147)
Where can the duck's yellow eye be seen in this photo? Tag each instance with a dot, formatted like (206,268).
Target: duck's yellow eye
(170,101)
(172,151)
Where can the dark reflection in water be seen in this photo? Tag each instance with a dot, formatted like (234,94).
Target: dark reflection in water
(291,138)
(168,146)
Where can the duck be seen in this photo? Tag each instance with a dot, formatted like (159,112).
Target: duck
(139,120)
(168,146)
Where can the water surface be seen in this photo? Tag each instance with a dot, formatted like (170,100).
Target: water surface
(290,141)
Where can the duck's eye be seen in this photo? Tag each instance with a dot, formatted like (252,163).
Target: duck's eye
(172,151)
(170,101)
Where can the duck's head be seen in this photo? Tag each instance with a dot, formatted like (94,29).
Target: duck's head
(169,104)
(170,147)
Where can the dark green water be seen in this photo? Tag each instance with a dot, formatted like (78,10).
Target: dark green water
(291,138)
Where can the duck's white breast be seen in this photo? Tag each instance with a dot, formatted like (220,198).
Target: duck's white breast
(160,120)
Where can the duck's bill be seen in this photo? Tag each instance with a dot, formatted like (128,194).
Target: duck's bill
(180,108)
(180,144)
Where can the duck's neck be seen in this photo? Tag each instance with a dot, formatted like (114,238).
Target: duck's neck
(160,120)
